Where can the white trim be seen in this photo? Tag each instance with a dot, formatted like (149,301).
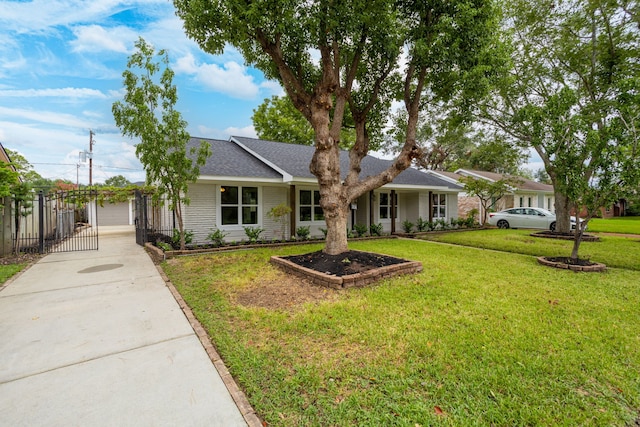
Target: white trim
(237,227)
(299,205)
(286,177)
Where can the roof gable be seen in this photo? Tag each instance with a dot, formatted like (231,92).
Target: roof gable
(523,184)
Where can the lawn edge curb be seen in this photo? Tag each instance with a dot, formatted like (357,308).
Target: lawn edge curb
(238,396)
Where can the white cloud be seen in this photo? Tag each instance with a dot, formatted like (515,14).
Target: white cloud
(67,92)
(48,117)
(94,38)
(273,87)
(230,78)
(207,132)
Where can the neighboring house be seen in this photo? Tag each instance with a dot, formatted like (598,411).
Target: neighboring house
(526,193)
(244,178)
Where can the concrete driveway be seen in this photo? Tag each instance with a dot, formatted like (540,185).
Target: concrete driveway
(95,338)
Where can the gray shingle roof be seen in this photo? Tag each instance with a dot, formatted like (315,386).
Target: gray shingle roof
(295,159)
(229,160)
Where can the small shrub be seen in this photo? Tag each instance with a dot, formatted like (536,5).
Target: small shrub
(422,225)
(303,232)
(164,246)
(376,229)
(324,232)
(407,226)
(175,240)
(349,233)
(440,224)
(253,233)
(360,229)
(217,237)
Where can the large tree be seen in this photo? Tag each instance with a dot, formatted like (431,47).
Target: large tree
(572,95)
(331,57)
(148,113)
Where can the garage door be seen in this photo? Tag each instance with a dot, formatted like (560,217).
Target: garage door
(113,214)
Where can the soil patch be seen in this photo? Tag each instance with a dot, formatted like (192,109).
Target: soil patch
(287,293)
(22,258)
(344,264)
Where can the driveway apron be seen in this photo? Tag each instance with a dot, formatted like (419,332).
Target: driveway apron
(95,338)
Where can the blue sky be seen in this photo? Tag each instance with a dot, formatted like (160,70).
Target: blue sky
(61,64)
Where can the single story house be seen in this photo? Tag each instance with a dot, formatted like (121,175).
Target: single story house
(526,193)
(244,178)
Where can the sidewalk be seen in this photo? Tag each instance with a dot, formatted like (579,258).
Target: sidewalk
(95,338)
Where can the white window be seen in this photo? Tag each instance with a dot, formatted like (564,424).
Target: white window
(385,206)
(309,206)
(238,205)
(438,205)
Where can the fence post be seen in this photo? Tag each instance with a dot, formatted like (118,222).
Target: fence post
(40,222)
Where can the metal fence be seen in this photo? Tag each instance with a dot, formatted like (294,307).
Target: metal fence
(63,221)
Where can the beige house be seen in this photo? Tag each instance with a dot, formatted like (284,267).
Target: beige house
(527,193)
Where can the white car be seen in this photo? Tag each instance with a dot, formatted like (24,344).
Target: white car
(526,218)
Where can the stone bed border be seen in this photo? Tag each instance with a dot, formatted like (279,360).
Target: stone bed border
(349,281)
(595,267)
(585,238)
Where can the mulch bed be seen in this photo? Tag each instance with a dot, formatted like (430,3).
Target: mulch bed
(572,264)
(344,264)
(564,236)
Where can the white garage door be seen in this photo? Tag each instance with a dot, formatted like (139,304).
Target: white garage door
(113,214)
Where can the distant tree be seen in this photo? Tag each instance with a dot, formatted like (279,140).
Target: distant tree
(148,113)
(9,177)
(276,119)
(573,96)
(489,192)
(495,155)
(24,168)
(542,176)
(117,181)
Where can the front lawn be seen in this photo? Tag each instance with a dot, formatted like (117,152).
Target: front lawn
(6,271)
(624,225)
(614,251)
(477,338)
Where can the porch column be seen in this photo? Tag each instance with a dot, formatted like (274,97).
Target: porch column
(430,204)
(292,215)
(5,232)
(393,211)
(371,202)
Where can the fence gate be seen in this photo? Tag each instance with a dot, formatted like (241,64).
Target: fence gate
(141,218)
(64,221)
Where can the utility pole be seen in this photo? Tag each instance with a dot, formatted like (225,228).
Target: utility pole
(91,157)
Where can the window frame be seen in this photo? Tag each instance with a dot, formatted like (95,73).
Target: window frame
(435,207)
(380,205)
(240,205)
(313,206)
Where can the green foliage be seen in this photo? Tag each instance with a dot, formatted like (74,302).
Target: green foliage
(407,226)
(117,181)
(375,229)
(188,237)
(422,225)
(148,114)
(253,233)
(164,246)
(360,229)
(489,192)
(324,232)
(303,232)
(276,119)
(280,214)
(217,237)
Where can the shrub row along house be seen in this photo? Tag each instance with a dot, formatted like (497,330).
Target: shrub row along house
(244,178)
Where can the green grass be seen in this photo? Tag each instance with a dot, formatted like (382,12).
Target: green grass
(488,338)
(618,252)
(624,225)
(6,271)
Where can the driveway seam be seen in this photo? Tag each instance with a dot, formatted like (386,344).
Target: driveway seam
(240,399)
(68,365)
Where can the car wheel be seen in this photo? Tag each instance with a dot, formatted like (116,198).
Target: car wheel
(552,227)
(503,224)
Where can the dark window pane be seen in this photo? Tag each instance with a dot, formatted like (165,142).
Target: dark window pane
(249,196)
(384,199)
(434,212)
(384,212)
(443,199)
(229,215)
(305,213)
(318,214)
(442,212)
(229,195)
(249,215)
(316,197)
(305,197)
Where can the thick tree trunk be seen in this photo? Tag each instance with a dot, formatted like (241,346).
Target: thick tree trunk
(563,213)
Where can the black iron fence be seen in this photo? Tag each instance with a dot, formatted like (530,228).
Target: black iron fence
(63,221)
(153,220)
